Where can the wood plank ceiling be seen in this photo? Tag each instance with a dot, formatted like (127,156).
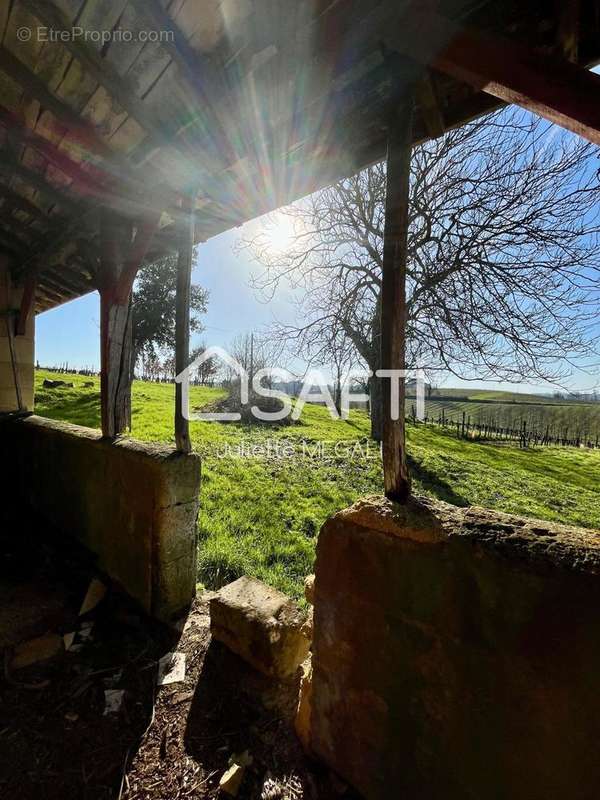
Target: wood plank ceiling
(253,102)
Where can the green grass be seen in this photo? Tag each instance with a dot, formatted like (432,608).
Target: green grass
(261,511)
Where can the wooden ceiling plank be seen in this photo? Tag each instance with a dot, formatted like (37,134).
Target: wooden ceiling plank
(106,75)
(92,186)
(79,129)
(36,87)
(205,80)
(37,180)
(21,202)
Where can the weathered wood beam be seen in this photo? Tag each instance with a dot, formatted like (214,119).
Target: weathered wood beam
(430,107)
(121,89)
(82,131)
(557,90)
(182,322)
(22,203)
(37,181)
(393,302)
(120,259)
(201,75)
(88,181)
(27,303)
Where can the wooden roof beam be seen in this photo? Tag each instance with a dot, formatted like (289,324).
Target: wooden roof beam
(559,91)
(118,87)
(199,73)
(37,181)
(82,130)
(85,180)
(22,203)
(88,180)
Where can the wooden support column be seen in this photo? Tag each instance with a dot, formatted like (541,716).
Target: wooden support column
(182,319)
(27,301)
(121,256)
(393,299)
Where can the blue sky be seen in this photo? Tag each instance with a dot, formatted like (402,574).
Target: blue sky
(71,333)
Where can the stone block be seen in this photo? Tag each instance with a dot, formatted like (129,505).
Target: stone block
(261,625)
(456,653)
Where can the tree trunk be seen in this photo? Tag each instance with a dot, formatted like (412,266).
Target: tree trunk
(115,365)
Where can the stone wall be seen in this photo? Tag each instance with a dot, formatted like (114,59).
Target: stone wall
(10,300)
(134,505)
(456,654)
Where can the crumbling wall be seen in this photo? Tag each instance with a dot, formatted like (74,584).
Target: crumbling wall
(134,505)
(456,654)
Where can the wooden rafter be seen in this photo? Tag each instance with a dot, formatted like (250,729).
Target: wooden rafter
(107,76)
(36,180)
(205,80)
(81,130)
(92,182)
(22,203)
(89,181)
(557,90)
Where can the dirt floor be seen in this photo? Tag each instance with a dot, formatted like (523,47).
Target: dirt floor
(174,741)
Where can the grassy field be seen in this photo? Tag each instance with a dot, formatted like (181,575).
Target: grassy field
(266,490)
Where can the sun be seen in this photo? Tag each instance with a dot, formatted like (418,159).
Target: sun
(279,232)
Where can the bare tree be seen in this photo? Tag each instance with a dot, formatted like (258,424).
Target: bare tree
(503,256)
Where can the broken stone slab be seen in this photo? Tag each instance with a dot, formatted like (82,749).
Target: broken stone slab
(171,669)
(260,624)
(231,780)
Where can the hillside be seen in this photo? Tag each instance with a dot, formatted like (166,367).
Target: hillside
(266,491)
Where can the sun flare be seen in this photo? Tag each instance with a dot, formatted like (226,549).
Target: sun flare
(280,232)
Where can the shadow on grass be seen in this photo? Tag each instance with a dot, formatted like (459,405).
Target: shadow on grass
(432,482)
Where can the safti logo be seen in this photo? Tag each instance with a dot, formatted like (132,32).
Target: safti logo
(314,388)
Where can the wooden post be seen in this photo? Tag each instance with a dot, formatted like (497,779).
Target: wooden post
(393,295)
(182,320)
(120,258)
(27,302)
